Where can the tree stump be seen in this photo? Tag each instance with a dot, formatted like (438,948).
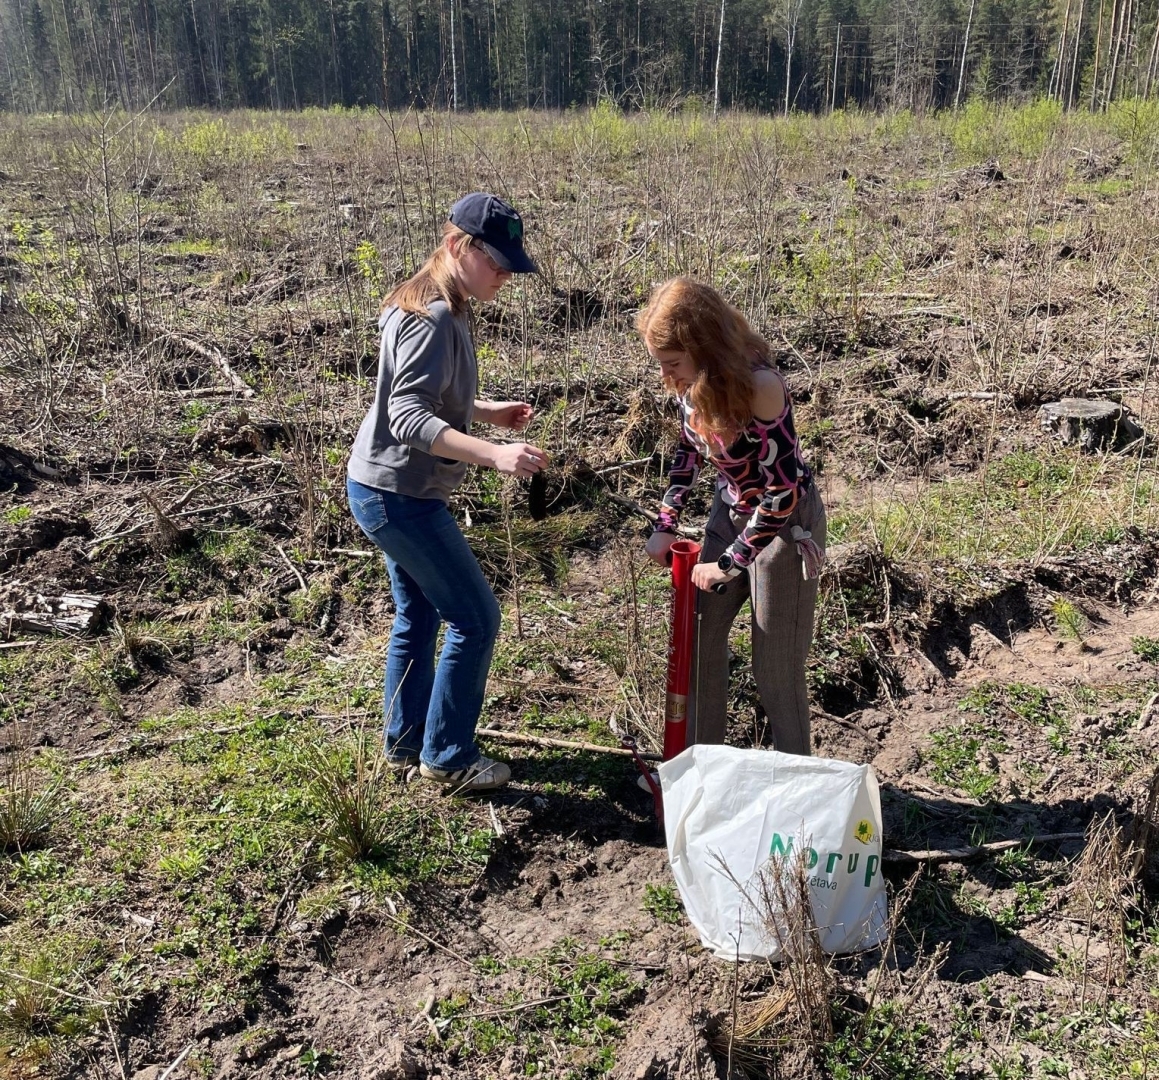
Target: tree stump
(1091,424)
(71,614)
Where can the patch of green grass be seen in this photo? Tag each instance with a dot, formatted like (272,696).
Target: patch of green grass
(202,246)
(958,757)
(52,992)
(323,902)
(105,671)
(568,722)
(185,866)
(1111,187)
(234,550)
(352,786)
(30,802)
(220,562)
(569,998)
(1028,903)
(1078,1042)
(1146,648)
(1033,704)
(533,545)
(192,415)
(1022,506)
(16,515)
(885,1041)
(1014,863)
(572,772)
(663,903)
(306,607)
(212,831)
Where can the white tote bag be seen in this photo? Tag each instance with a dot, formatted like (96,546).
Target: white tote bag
(727,812)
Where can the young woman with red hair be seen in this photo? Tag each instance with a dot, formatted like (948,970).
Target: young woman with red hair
(765,536)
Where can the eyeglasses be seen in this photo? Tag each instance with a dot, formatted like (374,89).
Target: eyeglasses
(490,261)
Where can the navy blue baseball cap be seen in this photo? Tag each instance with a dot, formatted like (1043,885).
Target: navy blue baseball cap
(497,226)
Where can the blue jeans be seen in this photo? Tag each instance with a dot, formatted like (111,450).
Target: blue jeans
(430,712)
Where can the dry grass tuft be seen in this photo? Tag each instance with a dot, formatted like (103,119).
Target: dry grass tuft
(778,1034)
(29,805)
(1145,835)
(792,1030)
(349,784)
(1103,891)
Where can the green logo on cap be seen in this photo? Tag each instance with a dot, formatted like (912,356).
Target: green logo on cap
(514,228)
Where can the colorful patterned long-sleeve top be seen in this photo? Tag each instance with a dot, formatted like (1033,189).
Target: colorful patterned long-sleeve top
(762,474)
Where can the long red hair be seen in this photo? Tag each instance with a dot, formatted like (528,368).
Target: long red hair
(684,315)
(434,280)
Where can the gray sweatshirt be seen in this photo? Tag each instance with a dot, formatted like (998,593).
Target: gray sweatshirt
(427,380)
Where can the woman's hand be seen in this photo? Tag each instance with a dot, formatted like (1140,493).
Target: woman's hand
(513,415)
(519,459)
(657,547)
(707,574)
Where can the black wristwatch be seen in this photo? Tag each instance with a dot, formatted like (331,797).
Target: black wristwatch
(728,565)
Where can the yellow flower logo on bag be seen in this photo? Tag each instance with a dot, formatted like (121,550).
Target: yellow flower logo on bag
(864,831)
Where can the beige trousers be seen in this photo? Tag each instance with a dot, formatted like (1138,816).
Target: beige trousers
(783,605)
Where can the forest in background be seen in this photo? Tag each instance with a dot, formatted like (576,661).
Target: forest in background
(771,55)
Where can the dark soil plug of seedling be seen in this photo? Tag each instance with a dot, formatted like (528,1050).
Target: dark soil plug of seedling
(537,496)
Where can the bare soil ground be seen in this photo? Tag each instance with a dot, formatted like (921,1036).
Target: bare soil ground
(186,348)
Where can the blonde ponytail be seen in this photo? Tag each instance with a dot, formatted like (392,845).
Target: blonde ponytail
(434,280)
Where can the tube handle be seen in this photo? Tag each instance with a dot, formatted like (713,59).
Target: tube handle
(718,588)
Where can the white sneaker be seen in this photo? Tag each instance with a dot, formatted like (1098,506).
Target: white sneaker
(484,775)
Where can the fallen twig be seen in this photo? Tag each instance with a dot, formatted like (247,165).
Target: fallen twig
(239,385)
(297,572)
(523,1006)
(4,973)
(116,1048)
(560,744)
(500,832)
(102,540)
(425,1014)
(176,1062)
(407,928)
(294,880)
(894,855)
(636,508)
(947,796)
(206,392)
(930,312)
(342,982)
(624,465)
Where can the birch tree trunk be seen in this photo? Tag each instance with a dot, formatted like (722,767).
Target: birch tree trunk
(454,65)
(791,16)
(1074,64)
(716,77)
(965,46)
(1152,61)
(1058,75)
(1098,49)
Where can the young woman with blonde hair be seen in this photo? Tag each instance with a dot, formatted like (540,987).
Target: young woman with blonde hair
(765,536)
(410,454)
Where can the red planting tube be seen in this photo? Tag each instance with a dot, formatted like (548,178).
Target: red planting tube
(684,555)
